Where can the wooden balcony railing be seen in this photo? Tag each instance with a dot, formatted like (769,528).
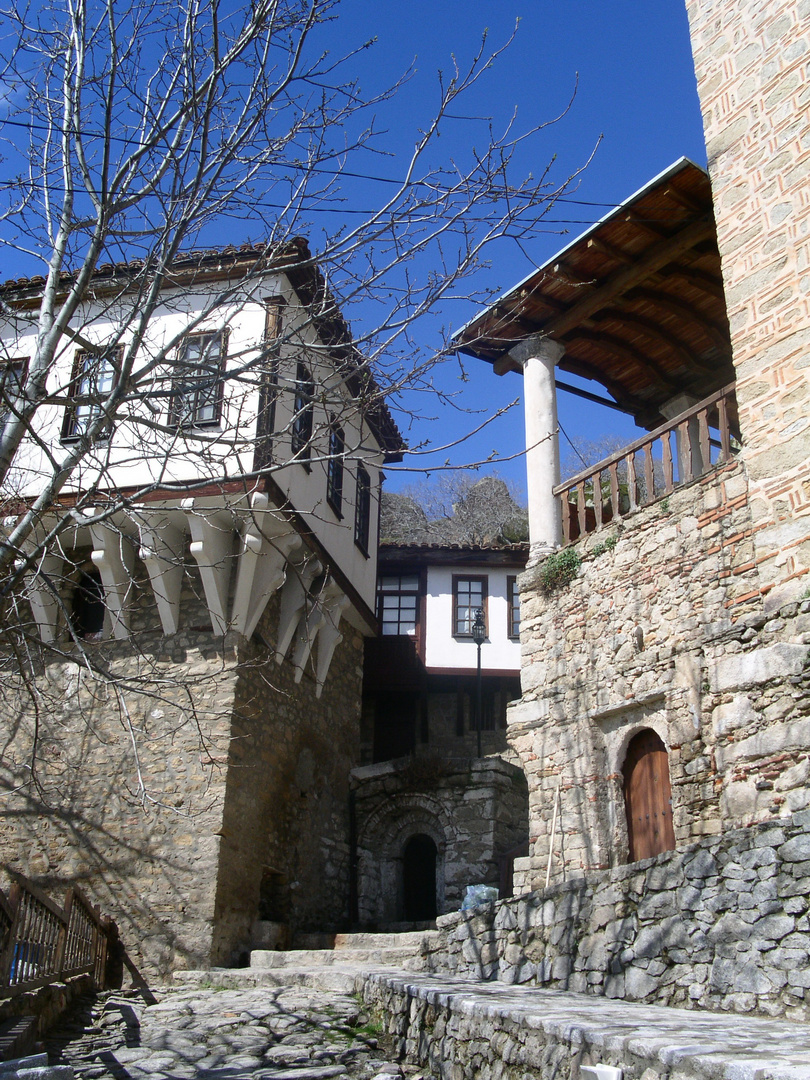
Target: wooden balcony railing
(673,455)
(41,942)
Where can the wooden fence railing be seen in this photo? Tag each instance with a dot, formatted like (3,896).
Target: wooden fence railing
(41,942)
(668,457)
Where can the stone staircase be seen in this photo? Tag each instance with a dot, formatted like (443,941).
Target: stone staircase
(339,961)
(407,951)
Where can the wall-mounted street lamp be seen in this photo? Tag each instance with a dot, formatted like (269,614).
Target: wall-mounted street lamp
(479,634)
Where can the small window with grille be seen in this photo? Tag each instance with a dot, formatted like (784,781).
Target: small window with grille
(469,594)
(398,603)
(197,385)
(513,606)
(362,509)
(334,469)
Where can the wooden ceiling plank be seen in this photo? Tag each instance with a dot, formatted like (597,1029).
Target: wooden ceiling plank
(624,279)
(687,312)
(654,333)
(610,343)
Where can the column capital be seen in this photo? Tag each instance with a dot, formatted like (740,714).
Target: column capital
(537,346)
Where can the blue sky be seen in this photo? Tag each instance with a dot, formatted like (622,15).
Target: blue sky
(634,111)
(631,65)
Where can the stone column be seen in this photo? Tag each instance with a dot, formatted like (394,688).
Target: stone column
(538,356)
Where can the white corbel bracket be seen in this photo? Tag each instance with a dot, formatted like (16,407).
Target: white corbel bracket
(43,585)
(211,546)
(329,637)
(114,556)
(293,602)
(266,542)
(161,551)
(325,611)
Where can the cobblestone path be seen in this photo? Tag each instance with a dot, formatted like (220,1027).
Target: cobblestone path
(194,1033)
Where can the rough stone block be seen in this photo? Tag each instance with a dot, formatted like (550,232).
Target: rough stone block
(740,670)
(796,850)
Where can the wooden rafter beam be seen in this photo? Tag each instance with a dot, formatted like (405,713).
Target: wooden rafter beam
(653,332)
(622,280)
(684,200)
(631,404)
(698,279)
(653,372)
(642,223)
(611,251)
(688,312)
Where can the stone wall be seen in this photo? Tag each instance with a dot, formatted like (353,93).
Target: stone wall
(167,775)
(47,1003)
(665,630)
(286,807)
(751,61)
(720,925)
(474,811)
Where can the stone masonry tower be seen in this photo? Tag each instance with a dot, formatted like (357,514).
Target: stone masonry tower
(752,60)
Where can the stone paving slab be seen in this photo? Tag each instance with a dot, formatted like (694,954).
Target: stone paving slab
(210,1032)
(711,1046)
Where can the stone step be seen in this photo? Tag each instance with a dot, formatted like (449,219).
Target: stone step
(414,939)
(308,958)
(553,1032)
(344,978)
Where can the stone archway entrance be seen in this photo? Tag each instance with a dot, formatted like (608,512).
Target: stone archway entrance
(648,796)
(419,859)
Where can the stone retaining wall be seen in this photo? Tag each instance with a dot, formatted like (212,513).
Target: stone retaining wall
(662,628)
(719,925)
(168,776)
(46,1003)
(465,1031)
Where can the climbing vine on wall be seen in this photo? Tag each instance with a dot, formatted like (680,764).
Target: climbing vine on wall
(559,569)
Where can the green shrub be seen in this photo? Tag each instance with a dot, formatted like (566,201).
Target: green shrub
(559,569)
(605,545)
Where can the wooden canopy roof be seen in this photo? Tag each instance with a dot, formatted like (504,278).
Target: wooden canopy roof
(637,301)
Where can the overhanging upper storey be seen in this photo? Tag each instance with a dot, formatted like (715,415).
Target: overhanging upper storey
(636,301)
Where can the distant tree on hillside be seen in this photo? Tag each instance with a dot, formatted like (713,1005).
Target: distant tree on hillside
(454,508)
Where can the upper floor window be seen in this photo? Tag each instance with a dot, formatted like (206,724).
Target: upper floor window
(93,378)
(302,413)
(398,603)
(334,469)
(362,509)
(513,606)
(268,383)
(469,594)
(196,399)
(12,374)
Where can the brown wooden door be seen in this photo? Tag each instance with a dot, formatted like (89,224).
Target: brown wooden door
(648,797)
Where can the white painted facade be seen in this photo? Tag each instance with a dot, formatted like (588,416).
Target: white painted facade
(192,492)
(425,594)
(443,648)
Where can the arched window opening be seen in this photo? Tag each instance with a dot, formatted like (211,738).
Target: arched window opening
(87,615)
(419,879)
(648,797)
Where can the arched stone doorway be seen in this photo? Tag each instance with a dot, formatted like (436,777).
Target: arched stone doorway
(647,796)
(419,859)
